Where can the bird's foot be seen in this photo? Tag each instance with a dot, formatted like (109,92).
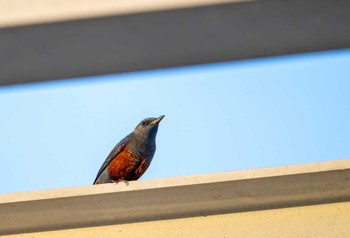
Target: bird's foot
(124,181)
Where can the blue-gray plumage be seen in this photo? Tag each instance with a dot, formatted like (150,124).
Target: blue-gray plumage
(131,157)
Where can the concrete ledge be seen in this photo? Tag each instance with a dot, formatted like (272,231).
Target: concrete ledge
(150,200)
(316,221)
(77,38)
(29,12)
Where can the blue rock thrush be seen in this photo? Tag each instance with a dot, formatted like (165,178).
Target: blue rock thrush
(131,157)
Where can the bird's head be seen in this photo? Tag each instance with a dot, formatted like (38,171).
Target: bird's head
(148,128)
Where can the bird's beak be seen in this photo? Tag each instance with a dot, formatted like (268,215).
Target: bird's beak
(157,120)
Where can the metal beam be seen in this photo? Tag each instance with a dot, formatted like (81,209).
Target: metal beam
(169,37)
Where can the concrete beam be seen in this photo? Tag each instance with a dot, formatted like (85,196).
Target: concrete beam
(317,221)
(29,12)
(84,42)
(152,200)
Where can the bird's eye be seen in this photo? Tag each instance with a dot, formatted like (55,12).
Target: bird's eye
(143,123)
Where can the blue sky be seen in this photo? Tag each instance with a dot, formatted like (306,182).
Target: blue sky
(219,117)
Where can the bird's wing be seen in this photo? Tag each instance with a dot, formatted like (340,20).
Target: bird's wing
(116,150)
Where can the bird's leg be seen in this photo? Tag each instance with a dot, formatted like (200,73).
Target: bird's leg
(126,182)
(114,181)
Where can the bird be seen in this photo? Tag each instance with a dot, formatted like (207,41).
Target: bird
(131,157)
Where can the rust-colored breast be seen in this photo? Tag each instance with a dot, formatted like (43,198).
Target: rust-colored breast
(122,165)
(141,168)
